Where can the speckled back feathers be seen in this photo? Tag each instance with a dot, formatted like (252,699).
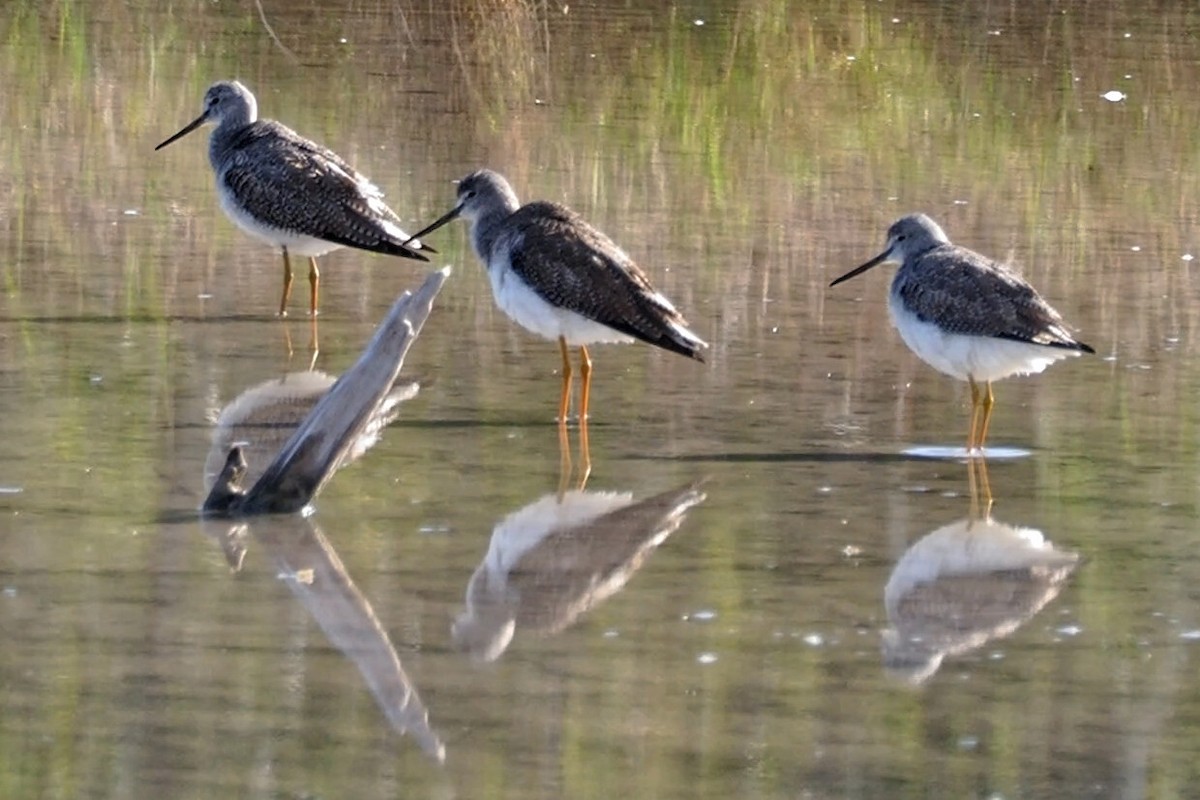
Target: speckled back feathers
(574,266)
(963,292)
(569,264)
(292,183)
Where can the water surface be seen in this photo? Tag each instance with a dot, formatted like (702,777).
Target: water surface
(745,153)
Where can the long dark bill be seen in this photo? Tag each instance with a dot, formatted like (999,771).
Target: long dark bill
(874,262)
(191,126)
(449,216)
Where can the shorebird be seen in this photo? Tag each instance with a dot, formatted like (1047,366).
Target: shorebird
(560,278)
(968,316)
(291,192)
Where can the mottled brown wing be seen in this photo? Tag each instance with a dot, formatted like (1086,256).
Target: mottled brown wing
(292,183)
(574,266)
(966,293)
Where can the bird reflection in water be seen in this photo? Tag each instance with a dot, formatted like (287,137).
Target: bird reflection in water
(964,585)
(559,557)
(979,487)
(566,465)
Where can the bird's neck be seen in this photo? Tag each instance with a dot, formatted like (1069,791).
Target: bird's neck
(486,229)
(227,136)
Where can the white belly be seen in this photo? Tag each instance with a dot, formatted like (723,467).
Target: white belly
(296,243)
(961,356)
(535,314)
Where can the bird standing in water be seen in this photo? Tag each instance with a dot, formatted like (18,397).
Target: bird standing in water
(291,192)
(968,316)
(560,278)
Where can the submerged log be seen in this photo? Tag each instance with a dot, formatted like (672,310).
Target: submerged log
(328,436)
(262,418)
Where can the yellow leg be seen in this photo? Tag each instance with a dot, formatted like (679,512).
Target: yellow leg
(564,458)
(585,378)
(980,488)
(985,485)
(585,454)
(564,399)
(314,344)
(287,338)
(971,442)
(314,281)
(287,284)
(987,401)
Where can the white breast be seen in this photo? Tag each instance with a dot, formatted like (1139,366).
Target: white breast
(960,356)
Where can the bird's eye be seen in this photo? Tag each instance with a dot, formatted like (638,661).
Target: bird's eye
(901,237)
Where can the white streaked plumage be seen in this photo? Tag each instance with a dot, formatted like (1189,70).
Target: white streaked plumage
(560,278)
(966,315)
(291,192)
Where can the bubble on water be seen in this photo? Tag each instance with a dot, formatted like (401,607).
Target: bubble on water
(1114,96)
(707,658)
(1069,630)
(814,640)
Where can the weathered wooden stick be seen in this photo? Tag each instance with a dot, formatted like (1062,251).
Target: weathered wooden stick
(322,441)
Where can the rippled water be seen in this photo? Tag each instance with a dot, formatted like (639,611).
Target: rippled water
(773,583)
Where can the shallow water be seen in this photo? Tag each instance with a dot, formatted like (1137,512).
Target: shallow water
(745,154)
